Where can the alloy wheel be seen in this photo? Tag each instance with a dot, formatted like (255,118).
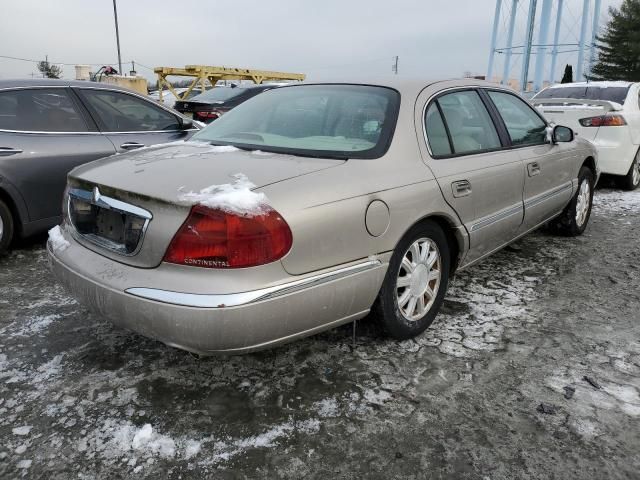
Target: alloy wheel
(584,200)
(418,279)
(1,228)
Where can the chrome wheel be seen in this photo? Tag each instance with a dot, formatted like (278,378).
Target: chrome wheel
(1,228)
(583,203)
(418,279)
(635,175)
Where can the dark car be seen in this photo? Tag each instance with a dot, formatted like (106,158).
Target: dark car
(48,127)
(209,105)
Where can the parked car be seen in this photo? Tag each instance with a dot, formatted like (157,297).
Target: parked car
(48,127)
(310,205)
(606,113)
(209,105)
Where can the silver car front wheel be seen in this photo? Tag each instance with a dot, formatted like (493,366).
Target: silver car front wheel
(418,279)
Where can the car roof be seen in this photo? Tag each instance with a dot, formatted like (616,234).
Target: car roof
(54,82)
(408,85)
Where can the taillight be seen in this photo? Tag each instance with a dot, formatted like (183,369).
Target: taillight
(604,121)
(211,115)
(216,239)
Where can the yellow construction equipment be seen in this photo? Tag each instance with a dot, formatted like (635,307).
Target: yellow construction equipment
(202,73)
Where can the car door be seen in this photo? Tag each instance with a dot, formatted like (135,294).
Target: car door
(45,133)
(480,178)
(548,169)
(131,121)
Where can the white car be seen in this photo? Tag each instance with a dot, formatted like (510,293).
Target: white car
(607,114)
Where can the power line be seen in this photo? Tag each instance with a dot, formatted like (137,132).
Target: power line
(72,64)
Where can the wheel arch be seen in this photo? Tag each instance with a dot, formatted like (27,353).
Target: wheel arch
(452,233)
(590,163)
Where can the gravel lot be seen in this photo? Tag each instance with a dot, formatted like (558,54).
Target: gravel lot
(554,321)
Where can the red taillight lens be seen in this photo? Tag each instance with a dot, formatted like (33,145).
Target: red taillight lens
(216,239)
(604,121)
(211,115)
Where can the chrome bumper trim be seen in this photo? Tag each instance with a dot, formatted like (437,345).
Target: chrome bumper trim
(198,300)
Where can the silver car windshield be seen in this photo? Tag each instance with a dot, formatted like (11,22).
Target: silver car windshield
(341,121)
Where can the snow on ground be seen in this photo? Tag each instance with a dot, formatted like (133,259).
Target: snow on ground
(616,201)
(236,197)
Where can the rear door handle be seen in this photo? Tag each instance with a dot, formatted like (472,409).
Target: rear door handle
(131,145)
(6,151)
(461,188)
(533,169)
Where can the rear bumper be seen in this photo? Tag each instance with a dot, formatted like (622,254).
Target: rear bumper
(212,323)
(615,150)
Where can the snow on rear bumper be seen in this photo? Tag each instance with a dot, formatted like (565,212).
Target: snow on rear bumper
(252,324)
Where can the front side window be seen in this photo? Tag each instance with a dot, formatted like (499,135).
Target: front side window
(467,121)
(121,112)
(525,127)
(344,121)
(39,110)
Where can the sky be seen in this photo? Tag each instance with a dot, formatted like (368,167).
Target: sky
(432,38)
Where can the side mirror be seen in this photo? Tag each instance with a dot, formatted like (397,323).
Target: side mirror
(562,134)
(185,123)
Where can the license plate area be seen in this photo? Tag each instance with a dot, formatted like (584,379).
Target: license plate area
(107,222)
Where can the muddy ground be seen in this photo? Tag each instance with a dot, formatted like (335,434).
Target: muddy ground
(82,399)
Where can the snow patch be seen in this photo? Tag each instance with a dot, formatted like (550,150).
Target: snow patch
(236,197)
(22,431)
(57,241)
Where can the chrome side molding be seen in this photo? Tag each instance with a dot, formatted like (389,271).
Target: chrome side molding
(198,300)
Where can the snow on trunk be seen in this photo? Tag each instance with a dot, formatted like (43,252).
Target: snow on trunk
(236,197)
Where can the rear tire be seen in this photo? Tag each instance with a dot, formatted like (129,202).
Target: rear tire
(6,228)
(416,282)
(574,218)
(632,179)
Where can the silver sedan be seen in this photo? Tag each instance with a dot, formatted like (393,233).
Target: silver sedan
(310,206)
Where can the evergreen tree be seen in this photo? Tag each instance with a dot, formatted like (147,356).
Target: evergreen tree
(48,70)
(568,74)
(619,45)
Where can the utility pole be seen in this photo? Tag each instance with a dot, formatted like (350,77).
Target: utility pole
(527,48)
(507,60)
(394,67)
(494,36)
(583,38)
(115,16)
(556,39)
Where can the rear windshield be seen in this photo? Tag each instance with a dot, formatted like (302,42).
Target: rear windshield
(219,94)
(611,94)
(330,121)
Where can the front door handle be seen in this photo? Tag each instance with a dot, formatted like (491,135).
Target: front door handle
(131,145)
(461,188)
(6,151)
(533,169)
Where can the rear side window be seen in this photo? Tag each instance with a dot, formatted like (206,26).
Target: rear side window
(525,127)
(466,121)
(436,132)
(39,110)
(121,112)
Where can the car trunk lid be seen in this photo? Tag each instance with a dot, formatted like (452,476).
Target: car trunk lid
(153,179)
(569,112)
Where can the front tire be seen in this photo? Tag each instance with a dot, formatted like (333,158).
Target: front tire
(416,282)
(6,228)
(632,179)
(574,218)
